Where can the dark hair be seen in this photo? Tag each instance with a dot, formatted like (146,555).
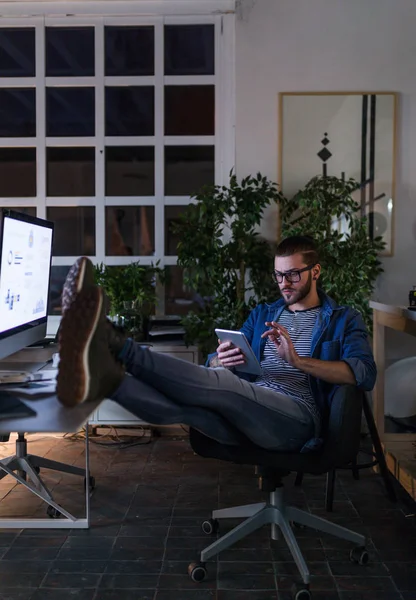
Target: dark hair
(303,244)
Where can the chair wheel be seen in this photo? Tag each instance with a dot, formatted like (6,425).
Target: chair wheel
(52,512)
(359,556)
(197,572)
(210,526)
(92,483)
(301,594)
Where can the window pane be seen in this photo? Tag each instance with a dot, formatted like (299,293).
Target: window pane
(17,52)
(179,299)
(70,112)
(129,171)
(17,112)
(74,230)
(189,110)
(70,171)
(27,210)
(172,214)
(129,110)
(188,169)
(58,276)
(129,51)
(17,172)
(189,49)
(129,230)
(69,51)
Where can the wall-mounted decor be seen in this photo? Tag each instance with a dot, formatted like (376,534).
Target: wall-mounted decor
(344,134)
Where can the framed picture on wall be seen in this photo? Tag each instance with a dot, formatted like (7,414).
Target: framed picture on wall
(346,135)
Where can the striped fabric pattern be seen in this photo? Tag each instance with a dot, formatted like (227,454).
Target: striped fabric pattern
(279,375)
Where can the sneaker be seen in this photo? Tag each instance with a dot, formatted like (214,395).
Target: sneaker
(116,338)
(87,369)
(80,277)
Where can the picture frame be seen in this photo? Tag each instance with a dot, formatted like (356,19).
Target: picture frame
(347,135)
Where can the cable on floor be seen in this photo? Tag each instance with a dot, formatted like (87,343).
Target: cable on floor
(113,440)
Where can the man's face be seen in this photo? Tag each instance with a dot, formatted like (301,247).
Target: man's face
(294,291)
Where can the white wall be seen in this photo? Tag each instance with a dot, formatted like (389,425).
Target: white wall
(323,45)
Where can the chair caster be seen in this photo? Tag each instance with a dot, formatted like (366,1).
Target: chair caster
(301,594)
(197,572)
(359,556)
(92,483)
(210,526)
(53,513)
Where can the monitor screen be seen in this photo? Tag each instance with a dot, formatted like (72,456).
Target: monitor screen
(25,265)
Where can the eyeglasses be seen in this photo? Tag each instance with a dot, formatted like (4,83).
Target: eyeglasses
(291,276)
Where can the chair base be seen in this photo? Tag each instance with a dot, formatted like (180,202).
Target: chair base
(29,465)
(279,516)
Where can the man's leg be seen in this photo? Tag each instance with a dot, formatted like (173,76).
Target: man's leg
(269,419)
(153,407)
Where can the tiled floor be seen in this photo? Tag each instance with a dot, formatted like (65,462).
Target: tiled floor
(147,509)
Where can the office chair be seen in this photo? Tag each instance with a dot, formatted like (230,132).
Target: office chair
(377,458)
(29,465)
(341,446)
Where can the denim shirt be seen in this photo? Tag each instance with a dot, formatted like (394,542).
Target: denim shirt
(339,335)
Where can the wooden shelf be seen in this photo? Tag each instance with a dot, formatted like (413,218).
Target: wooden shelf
(401,461)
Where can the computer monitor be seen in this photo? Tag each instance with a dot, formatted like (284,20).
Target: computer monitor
(25,267)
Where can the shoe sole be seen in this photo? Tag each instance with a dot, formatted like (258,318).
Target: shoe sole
(80,276)
(78,327)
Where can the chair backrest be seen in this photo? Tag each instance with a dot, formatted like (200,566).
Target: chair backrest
(342,437)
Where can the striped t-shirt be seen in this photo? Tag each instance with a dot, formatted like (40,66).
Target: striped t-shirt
(278,374)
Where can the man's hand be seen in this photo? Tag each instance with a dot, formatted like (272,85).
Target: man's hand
(279,335)
(228,356)
(334,371)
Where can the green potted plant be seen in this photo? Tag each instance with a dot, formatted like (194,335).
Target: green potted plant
(131,290)
(225,260)
(350,257)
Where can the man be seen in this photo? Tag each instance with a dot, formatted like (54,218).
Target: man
(307,345)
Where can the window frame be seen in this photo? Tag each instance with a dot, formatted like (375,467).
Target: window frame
(218,12)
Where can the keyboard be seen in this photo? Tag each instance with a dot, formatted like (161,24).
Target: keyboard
(13,408)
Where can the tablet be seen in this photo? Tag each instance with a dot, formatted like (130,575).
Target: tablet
(239,340)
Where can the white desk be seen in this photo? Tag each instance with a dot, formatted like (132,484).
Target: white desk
(51,417)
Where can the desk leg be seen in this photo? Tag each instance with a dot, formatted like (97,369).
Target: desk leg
(87,477)
(85,523)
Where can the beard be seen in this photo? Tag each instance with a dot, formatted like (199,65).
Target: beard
(299,294)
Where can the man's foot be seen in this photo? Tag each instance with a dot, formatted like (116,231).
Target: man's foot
(116,338)
(87,370)
(80,277)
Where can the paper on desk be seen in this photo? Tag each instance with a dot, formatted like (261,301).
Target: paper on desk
(22,377)
(33,389)
(30,384)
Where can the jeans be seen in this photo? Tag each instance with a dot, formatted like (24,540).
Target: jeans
(162,390)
